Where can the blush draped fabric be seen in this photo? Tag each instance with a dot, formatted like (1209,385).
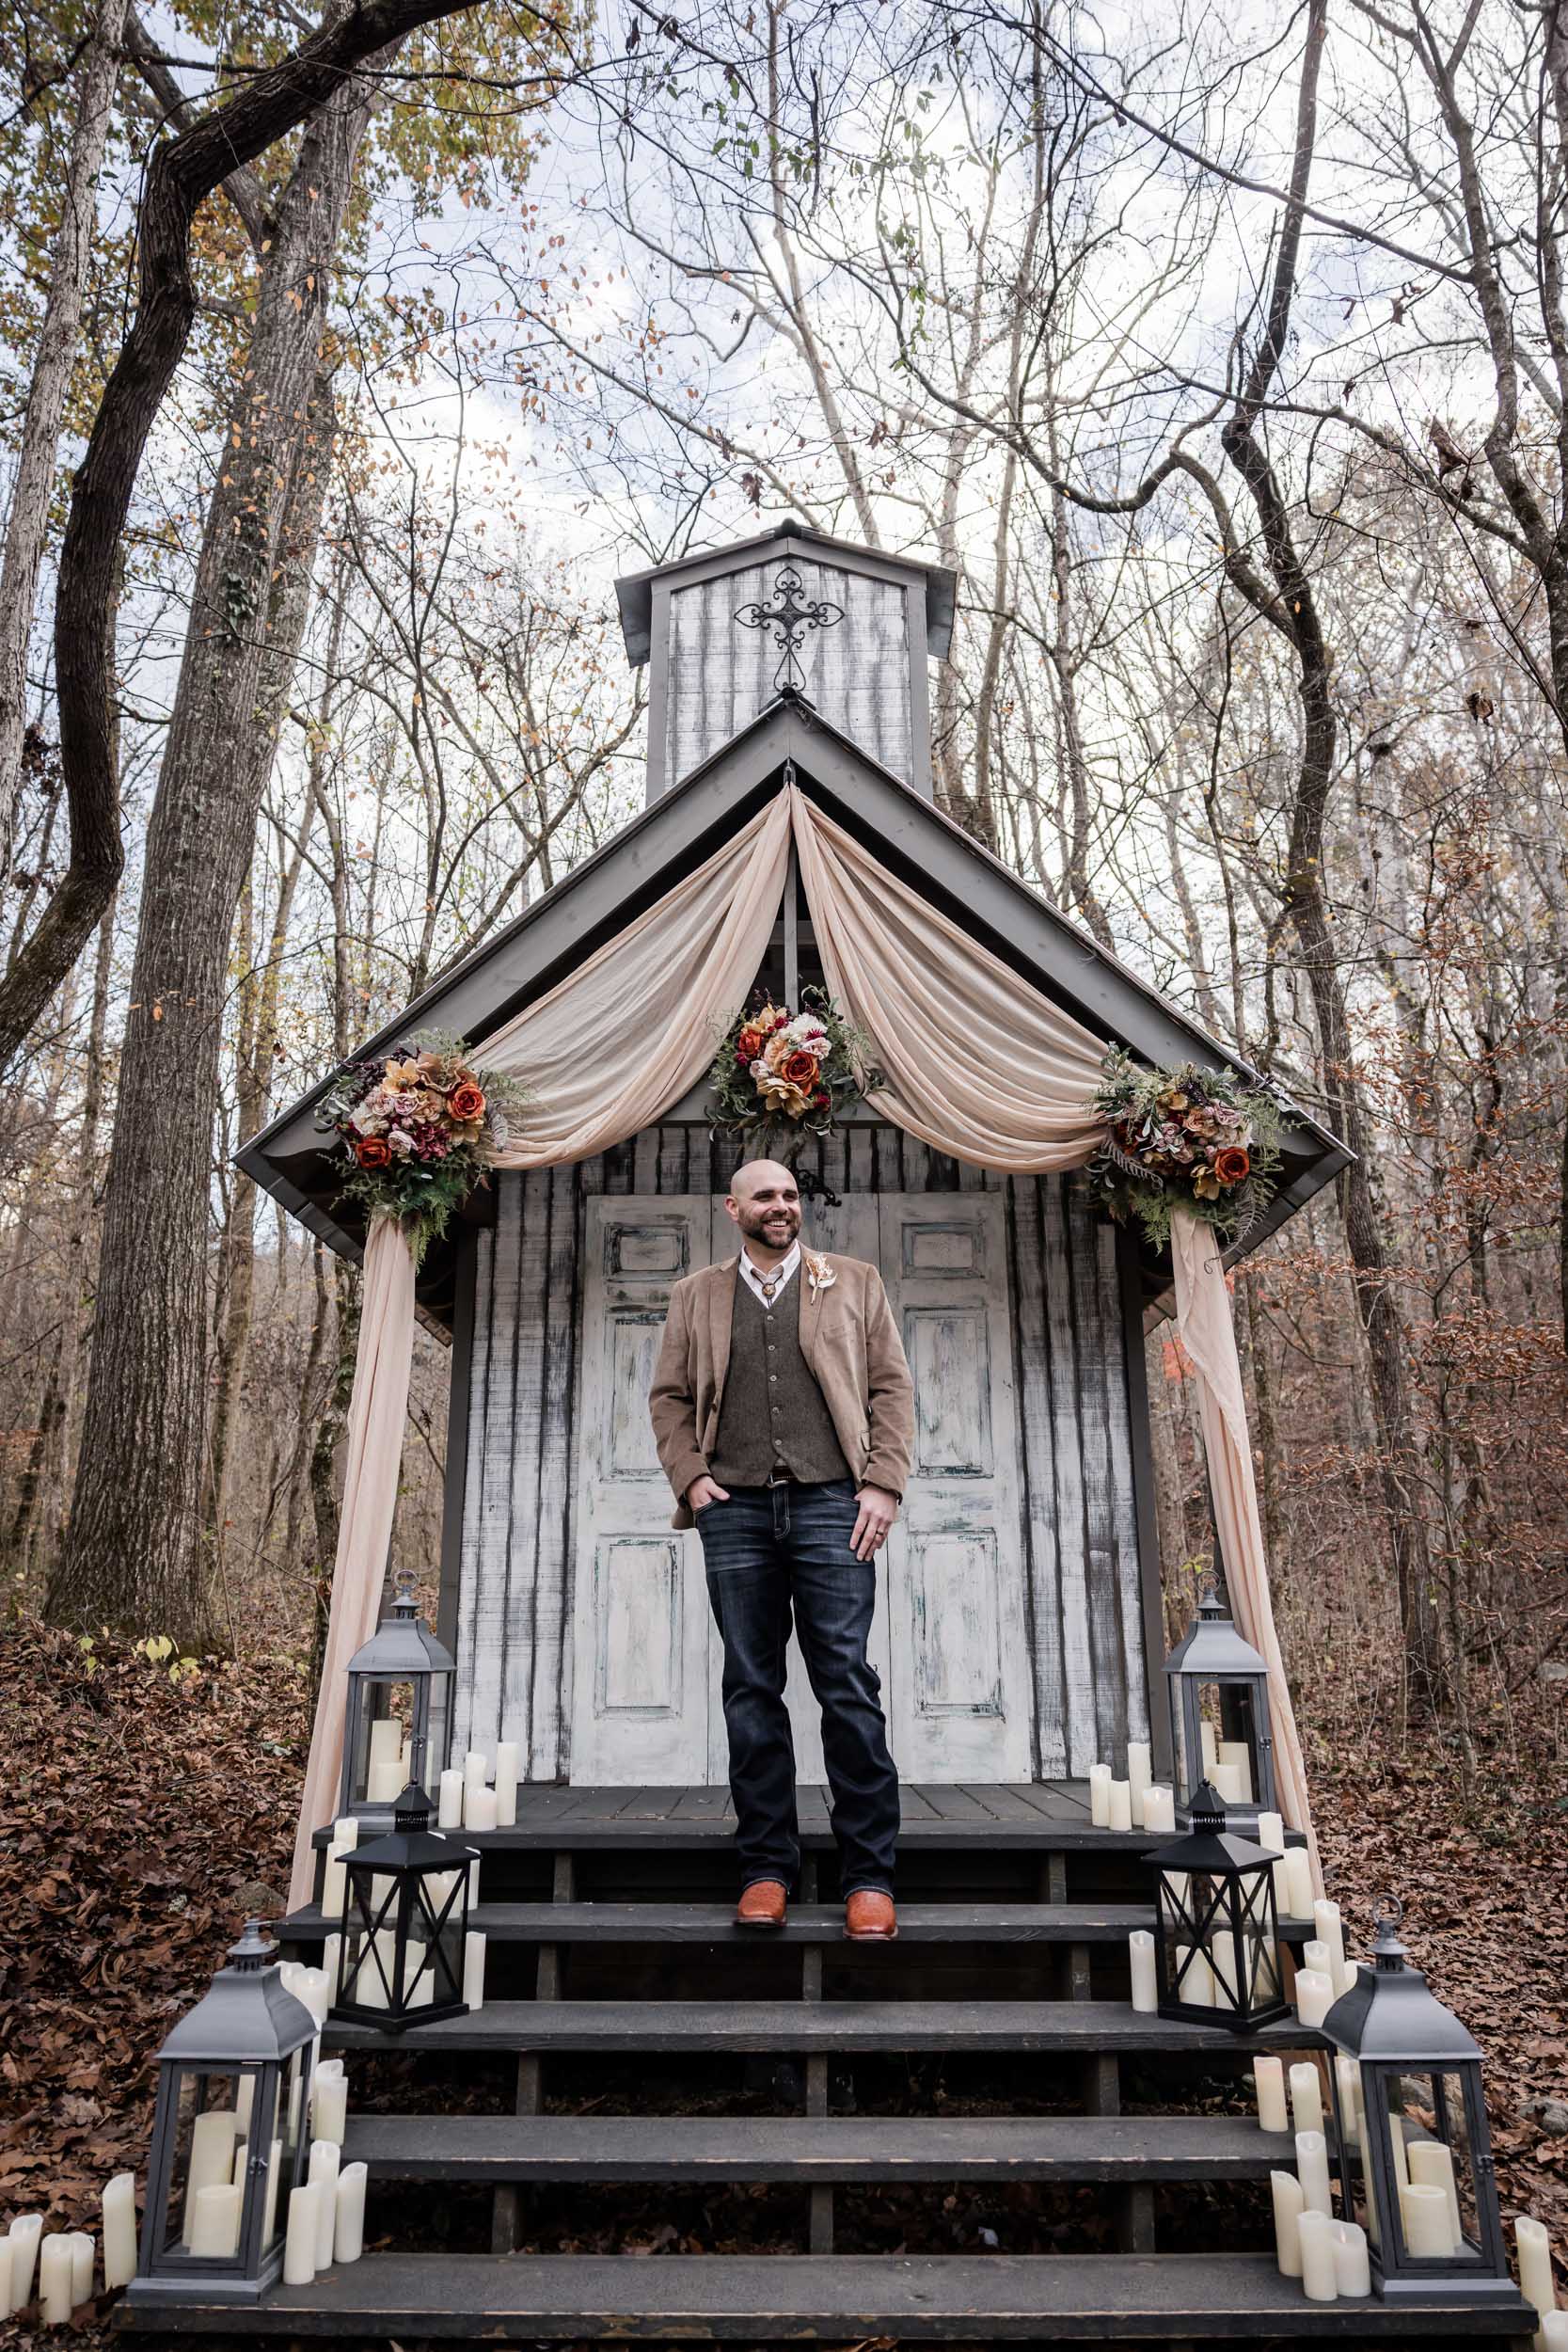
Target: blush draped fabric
(373,1453)
(978,1064)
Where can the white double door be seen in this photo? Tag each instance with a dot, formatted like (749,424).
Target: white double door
(948,1637)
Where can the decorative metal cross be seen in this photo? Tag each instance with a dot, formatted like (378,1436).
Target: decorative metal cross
(789,617)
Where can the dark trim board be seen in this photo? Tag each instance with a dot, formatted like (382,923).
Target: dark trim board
(809,1924)
(1063,2298)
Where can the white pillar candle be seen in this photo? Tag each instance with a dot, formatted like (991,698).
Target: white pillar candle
(212,2156)
(1316,1955)
(1238,1754)
(1312,2171)
(332,1954)
(275,2185)
(325,2155)
(1228,1965)
(506,1784)
(329,2110)
(120,2230)
(478,1806)
(1271,1832)
(1121,1805)
(55,2268)
(476,1768)
(1195,1979)
(1320,2276)
(348,2234)
(83,2250)
(26,2232)
(473,1969)
(299,2242)
(1314,1995)
(1431,2163)
(1396,2138)
(1208,1739)
(7,2303)
(346,1837)
(1298,1882)
(1138,1777)
(1100,1796)
(1160,1810)
(1230,1784)
(1306,2099)
(386,1739)
(473,1884)
(1534,2248)
(1140,1952)
(1552,2335)
(1424,2212)
(1331,1930)
(1346,2075)
(214,2224)
(449,1804)
(1288,2203)
(1353,2270)
(1268,2077)
(384,1781)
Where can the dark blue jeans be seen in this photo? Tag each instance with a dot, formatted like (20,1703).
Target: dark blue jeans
(771,1553)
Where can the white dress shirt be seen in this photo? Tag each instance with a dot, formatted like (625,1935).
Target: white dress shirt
(767,1286)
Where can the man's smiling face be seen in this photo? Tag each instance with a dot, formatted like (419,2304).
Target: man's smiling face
(764,1202)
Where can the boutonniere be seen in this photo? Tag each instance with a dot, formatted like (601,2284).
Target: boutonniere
(821,1273)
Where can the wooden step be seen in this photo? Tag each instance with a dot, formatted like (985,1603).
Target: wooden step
(808,1923)
(1062,2299)
(696,2029)
(571,2149)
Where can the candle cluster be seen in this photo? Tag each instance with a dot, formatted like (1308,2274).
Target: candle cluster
(1329,2257)
(388,1764)
(468,1800)
(64,2260)
(1136,1801)
(327,2216)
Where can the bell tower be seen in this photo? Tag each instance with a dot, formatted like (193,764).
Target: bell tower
(791,615)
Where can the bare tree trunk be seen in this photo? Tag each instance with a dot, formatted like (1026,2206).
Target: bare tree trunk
(59,339)
(132,1552)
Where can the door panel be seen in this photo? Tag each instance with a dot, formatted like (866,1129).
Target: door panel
(639,1671)
(959,1693)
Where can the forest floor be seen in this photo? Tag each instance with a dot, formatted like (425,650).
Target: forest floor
(143,1813)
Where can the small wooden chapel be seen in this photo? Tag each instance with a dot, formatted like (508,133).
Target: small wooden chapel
(1096,2167)
(1021,1618)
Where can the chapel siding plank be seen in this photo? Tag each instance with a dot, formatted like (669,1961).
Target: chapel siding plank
(552,1579)
(487,1630)
(1100,1510)
(1066,1384)
(1136,1671)
(1037,1436)
(673,1159)
(470,1567)
(507,1713)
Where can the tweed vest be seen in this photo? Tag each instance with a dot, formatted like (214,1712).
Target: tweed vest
(773,1416)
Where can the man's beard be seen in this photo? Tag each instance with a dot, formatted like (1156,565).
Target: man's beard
(753,1225)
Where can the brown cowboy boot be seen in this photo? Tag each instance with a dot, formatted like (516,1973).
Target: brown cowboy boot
(762,1905)
(870,1916)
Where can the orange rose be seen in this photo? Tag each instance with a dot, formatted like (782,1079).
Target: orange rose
(373,1151)
(466,1102)
(749,1043)
(800,1070)
(1232,1163)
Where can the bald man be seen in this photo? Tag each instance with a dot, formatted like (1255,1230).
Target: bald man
(785,1419)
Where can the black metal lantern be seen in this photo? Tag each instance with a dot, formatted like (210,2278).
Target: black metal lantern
(1216,1936)
(1213,1657)
(402,1653)
(229,2135)
(1420,2120)
(405,1924)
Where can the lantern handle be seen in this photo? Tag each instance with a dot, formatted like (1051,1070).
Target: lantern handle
(1387,1919)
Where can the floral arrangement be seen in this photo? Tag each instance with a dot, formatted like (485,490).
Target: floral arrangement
(418,1128)
(1184,1138)
(779,1075)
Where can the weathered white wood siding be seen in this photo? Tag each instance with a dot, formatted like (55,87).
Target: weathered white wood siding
(720,675)
(1069,1627)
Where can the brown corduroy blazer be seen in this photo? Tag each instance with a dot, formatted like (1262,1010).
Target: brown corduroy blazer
(848,1337)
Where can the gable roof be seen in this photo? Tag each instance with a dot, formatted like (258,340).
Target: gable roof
(599,898)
